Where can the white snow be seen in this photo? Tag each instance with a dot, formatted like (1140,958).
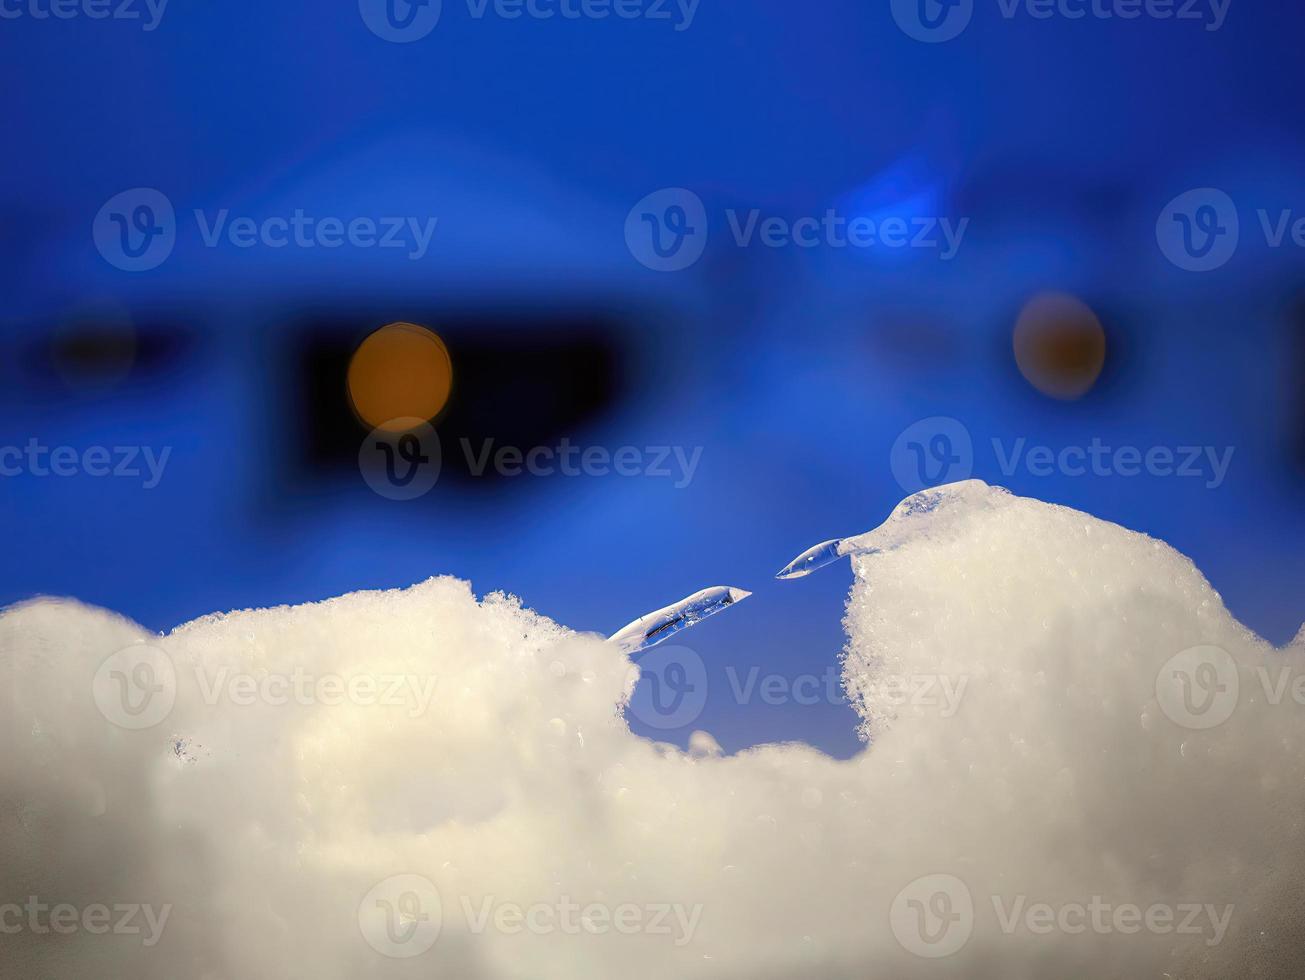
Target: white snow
(478,750)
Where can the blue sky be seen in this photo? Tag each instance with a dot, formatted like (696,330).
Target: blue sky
(793,370)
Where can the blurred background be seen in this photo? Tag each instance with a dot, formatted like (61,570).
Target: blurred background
(590,230)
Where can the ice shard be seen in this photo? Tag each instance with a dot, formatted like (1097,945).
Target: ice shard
(660,624)
(817,556)
(930,511)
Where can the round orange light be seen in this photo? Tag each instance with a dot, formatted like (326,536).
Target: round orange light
(400,372)
(1060,346)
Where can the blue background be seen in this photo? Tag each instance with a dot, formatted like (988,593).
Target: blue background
(1062,141)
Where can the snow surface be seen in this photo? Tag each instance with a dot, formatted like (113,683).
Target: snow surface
(1079,768)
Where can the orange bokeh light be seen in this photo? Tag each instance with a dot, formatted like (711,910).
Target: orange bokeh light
(1060,346)
(399,373)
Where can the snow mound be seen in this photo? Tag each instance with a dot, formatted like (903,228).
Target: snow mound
(1080,764)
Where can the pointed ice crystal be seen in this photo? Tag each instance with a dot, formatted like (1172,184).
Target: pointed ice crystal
(817,556)
(656,626)
(930,511)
